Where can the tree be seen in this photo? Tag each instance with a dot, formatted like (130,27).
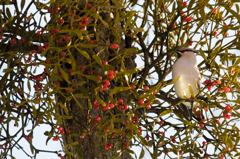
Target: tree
(89,90)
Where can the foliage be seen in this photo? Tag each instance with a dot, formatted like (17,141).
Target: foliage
(77,64)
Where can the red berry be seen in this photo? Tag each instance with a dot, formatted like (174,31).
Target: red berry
(111,105)
(148,107)
(115,71)
(59,128)
(147,137)
(120,100)
(83,67)
(104,62)
(204,143)
(99,78)
(141,101)
(115,46)
(184,4)
(111,77)
(215,33)
(12,41)
(110,72)
(55,138)
(68,131)
(146,87)
(180,152)
(90,72)
(133,87)
(209,88)
(188,19)
(201,125)
(227,108)
(89,6)
(113,134)
(61,21)
(106,82)
(215,11)
(161,122)
(21,92)
(111,46)
(48,62)
(190,43)
(62,53)
(56,30)
(91,42)
(174,26)
(38,32)
(98,119)
(106,129)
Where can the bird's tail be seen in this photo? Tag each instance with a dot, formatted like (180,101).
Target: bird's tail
(187,112)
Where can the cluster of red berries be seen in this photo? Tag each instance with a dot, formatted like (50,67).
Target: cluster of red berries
(209,82)
(107,147)
(227,112)
(114,46)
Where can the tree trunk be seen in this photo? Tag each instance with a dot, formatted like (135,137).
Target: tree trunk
(87,147)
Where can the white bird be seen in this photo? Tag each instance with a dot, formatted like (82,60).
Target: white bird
(186,68)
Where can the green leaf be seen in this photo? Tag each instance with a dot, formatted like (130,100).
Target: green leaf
(192,126)
(98,98)
(34,111)
(73,143)
(229,143)
(130,15)
(203,14)
(138,29)
(8,12)
(165,112)
(97,59)
(22,4)
(215,51)
(84,53)
(79,95)
(191,90)
(142,154)
(118,89)
(73,62)
(64,108)
(104,23)
(89,104)
(65,75)
(91,77)
(29,85)
(127,72)
(79,34)
(7,70)
(78,151)
(174,81)
(235,14)
(117,4)
(203,55)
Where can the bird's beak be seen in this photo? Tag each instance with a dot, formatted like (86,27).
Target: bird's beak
(178,53)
